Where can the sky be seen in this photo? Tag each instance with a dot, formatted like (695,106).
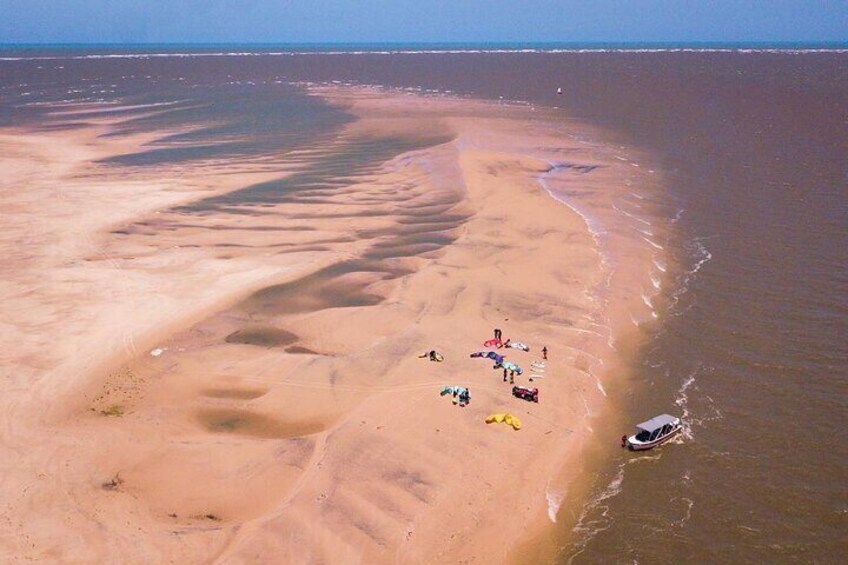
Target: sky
(421,21)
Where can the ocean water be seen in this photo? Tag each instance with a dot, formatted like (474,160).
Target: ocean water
(750,344)
(752,348)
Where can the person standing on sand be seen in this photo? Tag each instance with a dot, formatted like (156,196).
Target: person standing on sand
(498,334)
(545,353)
(504,374)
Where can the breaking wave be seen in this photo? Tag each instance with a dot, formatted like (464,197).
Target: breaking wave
(445,51)
(594,518)
(554,499)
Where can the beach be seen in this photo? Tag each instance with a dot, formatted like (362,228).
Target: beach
(207,379)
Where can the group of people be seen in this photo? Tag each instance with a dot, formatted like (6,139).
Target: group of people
(462,395)
(508,343)
(511,369)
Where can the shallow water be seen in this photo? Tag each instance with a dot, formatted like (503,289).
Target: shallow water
(751,351)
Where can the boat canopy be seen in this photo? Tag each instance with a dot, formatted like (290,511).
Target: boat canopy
(656,423)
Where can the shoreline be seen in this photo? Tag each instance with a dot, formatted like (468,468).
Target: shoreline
(489,166)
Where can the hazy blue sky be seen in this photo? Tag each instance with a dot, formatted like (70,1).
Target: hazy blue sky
(198,21)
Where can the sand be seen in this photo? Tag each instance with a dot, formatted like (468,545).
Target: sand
(247,387)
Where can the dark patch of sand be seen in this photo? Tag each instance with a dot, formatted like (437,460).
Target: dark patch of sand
(262,336)
(297,349)
(234,393)
(247,423)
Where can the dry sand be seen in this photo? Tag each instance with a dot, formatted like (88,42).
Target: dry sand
(285,415)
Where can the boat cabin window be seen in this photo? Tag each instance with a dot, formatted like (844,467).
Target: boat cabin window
(643,435)
(665,429)
(655,434)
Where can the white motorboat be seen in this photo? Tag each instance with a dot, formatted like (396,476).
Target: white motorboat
(655,431)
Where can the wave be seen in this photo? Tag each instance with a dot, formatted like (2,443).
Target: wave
(554,500)
(594,518)
(682,402)
(600,386)
(656,282)
(629,215)
(589,528)
(700,256)
(543,51)
(704,254)
(595,229)
(689,504)
(653,243)
(707,411)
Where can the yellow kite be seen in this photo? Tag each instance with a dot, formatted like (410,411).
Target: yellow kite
(507,419)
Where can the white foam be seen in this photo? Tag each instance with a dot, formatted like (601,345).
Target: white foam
(689,504)
(588,529)
(629,215)
(653,243)
(705,256)
(554,500)
(682,402)
(701,256)
(595,229)
(706,406)
(600,386)
(659,264)
(541,50)
(594,517)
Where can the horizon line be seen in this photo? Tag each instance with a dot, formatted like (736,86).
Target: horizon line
(760,43)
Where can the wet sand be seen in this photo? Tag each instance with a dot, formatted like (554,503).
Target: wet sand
(225,366)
